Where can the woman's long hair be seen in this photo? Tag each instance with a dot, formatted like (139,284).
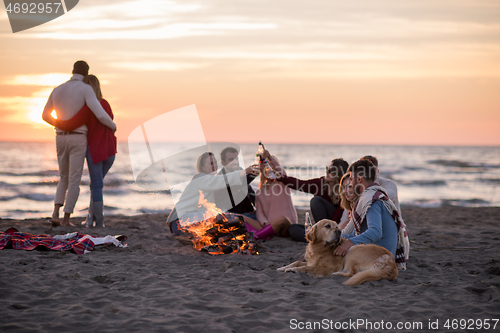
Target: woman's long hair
(93,81)
(339,167)
(344,203)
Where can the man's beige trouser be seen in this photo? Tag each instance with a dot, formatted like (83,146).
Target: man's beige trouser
(71,151)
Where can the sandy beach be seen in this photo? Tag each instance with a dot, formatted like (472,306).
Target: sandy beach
(160,285)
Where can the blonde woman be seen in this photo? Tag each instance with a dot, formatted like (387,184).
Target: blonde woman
(348,198)
(273,201)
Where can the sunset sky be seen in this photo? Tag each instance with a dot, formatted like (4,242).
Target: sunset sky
(319,71)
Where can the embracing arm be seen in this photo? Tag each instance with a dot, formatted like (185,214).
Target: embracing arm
(81,118)
(47,110)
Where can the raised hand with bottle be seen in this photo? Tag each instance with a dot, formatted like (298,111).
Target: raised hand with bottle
(271,165)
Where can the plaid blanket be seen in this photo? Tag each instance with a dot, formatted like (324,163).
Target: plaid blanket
(374,193)
(77,243)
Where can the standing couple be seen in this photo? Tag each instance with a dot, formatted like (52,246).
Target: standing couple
(84,128)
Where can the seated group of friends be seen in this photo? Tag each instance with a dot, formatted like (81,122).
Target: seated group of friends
(365,206)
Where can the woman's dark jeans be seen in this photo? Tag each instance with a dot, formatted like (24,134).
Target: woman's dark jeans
(320,209)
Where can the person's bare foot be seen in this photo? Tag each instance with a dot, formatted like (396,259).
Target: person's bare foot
(55,223)
(66,222)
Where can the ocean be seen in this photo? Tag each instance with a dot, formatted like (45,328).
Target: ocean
(427,176)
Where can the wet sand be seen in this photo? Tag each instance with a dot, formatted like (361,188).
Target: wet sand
(160,285)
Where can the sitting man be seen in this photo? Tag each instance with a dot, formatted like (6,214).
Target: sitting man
(237,199)
(374,218)
(389,186)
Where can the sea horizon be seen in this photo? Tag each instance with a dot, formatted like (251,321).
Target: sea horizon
(426,176)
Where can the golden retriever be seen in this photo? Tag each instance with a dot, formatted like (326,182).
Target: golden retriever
(367,262)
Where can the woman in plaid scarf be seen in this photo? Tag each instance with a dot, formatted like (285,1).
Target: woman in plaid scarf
(374,218)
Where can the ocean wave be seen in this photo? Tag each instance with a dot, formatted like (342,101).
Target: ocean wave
(43,183)
(414,168)
(40,183)
(436,203)
(424,183)
(114,192)
(489,180)
(54,182)
(466,202)
(155,191)
(423,203)
(37,196)
(106,208)
(24,211)
(30,196)
(114,182)
(44,173)
(462,164)
(389,175)
(8,174)
(8,198)
(145,210)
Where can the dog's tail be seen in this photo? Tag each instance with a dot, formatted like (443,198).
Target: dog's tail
(383,268)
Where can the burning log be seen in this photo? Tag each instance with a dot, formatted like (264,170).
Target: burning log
(229,220)
(220,233)
(211,249)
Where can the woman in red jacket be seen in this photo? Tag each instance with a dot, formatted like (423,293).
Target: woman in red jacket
(101,150)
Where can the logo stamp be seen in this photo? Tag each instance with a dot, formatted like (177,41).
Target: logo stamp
(158,166)
(26,14)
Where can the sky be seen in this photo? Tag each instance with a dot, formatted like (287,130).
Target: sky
(320,71)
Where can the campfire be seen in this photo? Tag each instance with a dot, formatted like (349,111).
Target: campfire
(219,233)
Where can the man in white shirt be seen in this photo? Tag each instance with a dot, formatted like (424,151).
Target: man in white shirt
(66,100)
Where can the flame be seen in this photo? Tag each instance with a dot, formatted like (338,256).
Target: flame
(206,233)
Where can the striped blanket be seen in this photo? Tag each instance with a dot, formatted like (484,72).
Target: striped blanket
(73,242)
